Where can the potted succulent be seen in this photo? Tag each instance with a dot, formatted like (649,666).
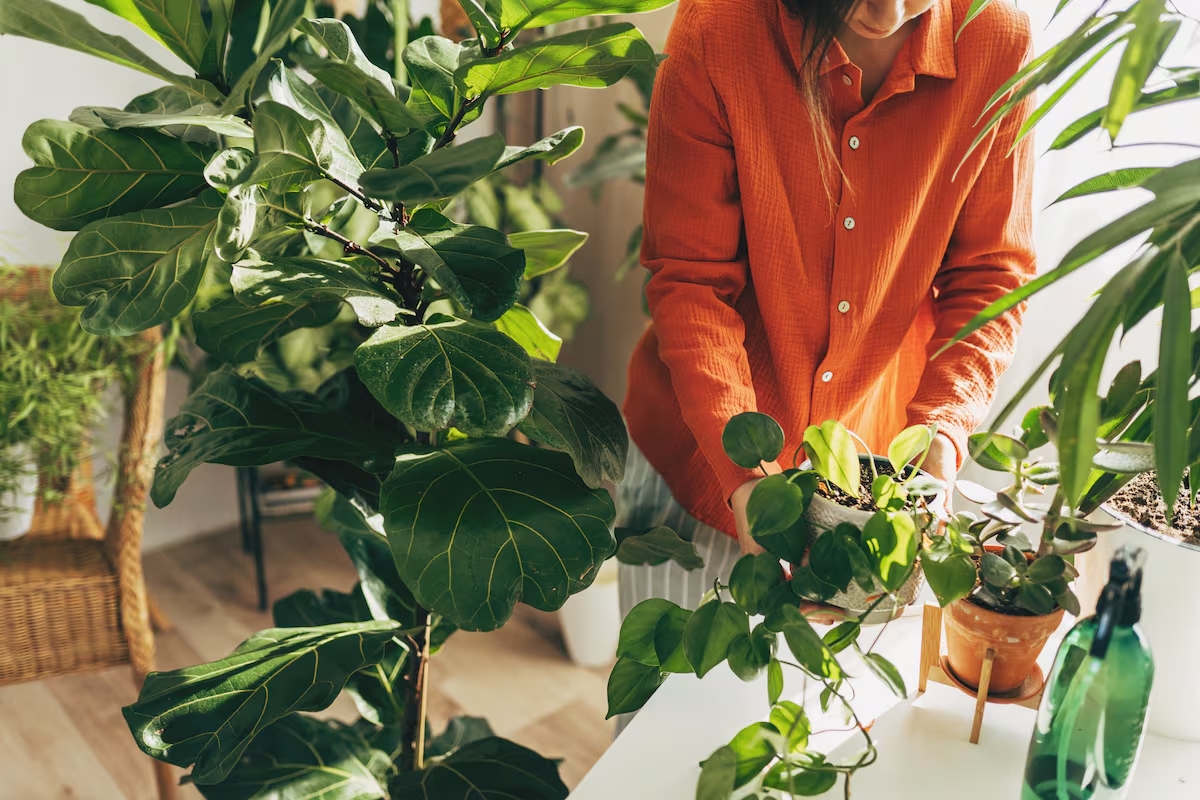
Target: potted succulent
(740,623)
(50,370)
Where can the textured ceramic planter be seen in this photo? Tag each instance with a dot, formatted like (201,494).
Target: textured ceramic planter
(1017,641)
(1170,617)
(17,521)
(823,515)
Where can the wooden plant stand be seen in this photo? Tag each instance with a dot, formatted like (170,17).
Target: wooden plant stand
(931,670)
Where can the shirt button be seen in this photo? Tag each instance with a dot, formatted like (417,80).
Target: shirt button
(854,143)
(826,376)
(849,223)
(843,306)
(846,79)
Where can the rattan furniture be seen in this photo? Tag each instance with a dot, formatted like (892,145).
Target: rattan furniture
(72,594)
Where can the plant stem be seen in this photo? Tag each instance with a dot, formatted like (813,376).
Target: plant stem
(349,245)
(423,694)
(400,39)
(415,715)
(452,127)
(358,193)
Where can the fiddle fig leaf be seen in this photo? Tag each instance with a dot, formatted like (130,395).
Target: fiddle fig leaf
(377,100)
(290,149)
(656,546)
(236,333)
(138,270)
(552,149)
(179,26)
(487,769)
(523,327)
(448,372)
(569,413)
(205,116)
(751,438)
(485,17)
(630,684)
(302,280)
(87,174)
(591,57)
(304,757)
(546,251)
(440,174)
(487,542)
(432,62)
(285,87)
(520,14)
(242,422)
(459,732)
(224,171)
(206,716)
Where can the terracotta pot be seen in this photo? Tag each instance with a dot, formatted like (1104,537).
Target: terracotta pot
(1017,640)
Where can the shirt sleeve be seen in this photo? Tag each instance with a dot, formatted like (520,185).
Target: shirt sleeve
(693,246)
(991,253)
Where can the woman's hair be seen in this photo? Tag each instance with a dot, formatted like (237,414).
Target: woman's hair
(822,21)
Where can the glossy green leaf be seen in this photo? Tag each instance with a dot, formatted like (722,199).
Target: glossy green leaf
(751,438)
(793,724)
(630,685)
(520,14)
(488,769)
(951,576)
(834,457)
(179,26)
(886,672)
(774,681)
(290,149)
(709,633)
(236,333)
(365,138)
(138,270)
(251,213)
(752,577)
(1112,181)
(49,22)
(1126,458)
(749,655)
(996,571)
(1046,569)
(1186,87)
(1172,414)
(488,542)
(976,8)
(891,539)
(546,251)
(242,422)
(1036,599)
(485,17)
(442,173)
(520,325)
(668,641)
(300,757)
(268,41)
(336,153)
(460,732)
(657,546)
(448,372)
(86,174)
(799,779)
(754,750)
(776,504)
(807,584)
(908,444)
(1060,92)
(571,414)
(591,57)
(300,280)
(718,774)
(205,716)
(431,62)
(638,630)
(1141,55)
(810,651)
(486,267)
(551,149)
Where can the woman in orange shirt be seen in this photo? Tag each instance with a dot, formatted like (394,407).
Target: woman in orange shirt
(814,236)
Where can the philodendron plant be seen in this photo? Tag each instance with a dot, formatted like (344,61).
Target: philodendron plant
(262,197)
(659,638)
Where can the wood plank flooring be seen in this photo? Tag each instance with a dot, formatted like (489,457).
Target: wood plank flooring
(64,738)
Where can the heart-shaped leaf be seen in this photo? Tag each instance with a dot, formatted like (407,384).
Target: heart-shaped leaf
(709,633)
(243,422)
(774,681)
(591,57)
(751,438)
(810,651)
(754,750)
(236,333)
(207,715)
(718,773)
(572,414)
(800,779)
(639,630)
(749,655)
(302,756)
(523,327)
(448,372)
(630,684)
(831,449)
(752,577)
(908,444)
(86,174)
(656,546)
(442,173)
(300,281)
(488,769)
(891,540)
(793,725)
(488,542)
(776,504)
(546,251)
(138,270)
(951,575)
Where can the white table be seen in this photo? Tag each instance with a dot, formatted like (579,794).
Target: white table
(658,755)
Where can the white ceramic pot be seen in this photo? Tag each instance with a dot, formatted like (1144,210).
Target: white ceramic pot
(591,620)
(17,520)
(1170,617)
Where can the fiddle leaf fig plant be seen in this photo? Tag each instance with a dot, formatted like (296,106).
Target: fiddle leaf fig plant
(280,189)
(760,621)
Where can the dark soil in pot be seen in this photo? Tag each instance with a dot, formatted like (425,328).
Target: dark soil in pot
(1142,502)
(865,501)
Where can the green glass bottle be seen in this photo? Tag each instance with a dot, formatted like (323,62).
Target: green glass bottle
(1091,722)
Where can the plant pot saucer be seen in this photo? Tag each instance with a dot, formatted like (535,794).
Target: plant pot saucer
(1031,688)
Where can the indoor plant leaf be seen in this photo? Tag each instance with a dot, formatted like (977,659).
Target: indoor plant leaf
(591,57)
(301,757)
(891,539)
(709,633)
(140,269)
(520,14)
(754,751)
(546,251)
(1141,55)
(717,775)
(810,651)
(486,769)
(448,372)
(235,332)
(887,673)
(571,414)
(777,503)
(443,173)
(301,280)
(285,87)
(749,655)
(87,174)
(668,641)
(537,550)
(752,577)
(242,422)
(431,62)
(177,25)
(951,576)
(551,149)
(523,327)
(656,546)
(1111,181)
(831,449)
(908,444)
(289,148)
(800,779)
(793,724)
(630,684)
(638,630)
(460,732)
(1172,410)
(774,681)
(752,438)
(205,716)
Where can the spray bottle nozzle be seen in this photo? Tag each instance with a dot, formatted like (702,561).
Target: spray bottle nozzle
(1121,601)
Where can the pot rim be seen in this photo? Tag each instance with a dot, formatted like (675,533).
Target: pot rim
(1058,610)
(1138,527)
(806,464)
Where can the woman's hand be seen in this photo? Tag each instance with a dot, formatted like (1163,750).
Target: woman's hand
(738,501)
(942,463)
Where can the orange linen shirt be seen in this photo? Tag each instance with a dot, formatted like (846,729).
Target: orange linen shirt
(766,295)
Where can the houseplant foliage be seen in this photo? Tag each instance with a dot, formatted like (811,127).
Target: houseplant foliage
(263,197)
(1089,435)
(659,638)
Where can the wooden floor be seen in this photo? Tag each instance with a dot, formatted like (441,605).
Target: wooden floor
(65,738)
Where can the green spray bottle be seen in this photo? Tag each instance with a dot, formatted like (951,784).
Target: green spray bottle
(1090,724)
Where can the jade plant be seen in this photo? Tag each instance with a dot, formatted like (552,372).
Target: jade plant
(776,591)
(263,196)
